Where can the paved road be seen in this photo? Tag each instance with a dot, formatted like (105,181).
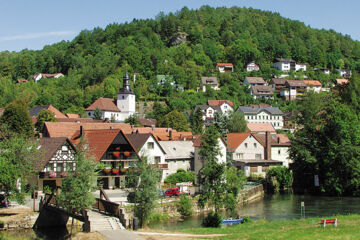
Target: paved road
(121,234)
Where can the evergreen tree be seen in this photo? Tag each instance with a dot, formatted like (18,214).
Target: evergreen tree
(236,123)
(196,121)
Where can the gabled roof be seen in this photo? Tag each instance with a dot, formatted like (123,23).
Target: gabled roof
(284,60)
(261,90)
(205,107)
(260,127)
(278,81)
(224,65)
(295,83)
(34,111)
(275,139)
(219,102)
(139,139)
(80,120)
(209,80)
(68,129)
(147,122)
(104,104)
(257,109)
(255,80)
(99,140)
(198,139)
(313,83)
(173,136)
(235,139)
(49,146)
(178,149)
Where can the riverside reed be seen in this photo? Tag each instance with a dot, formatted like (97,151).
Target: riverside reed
(348,228)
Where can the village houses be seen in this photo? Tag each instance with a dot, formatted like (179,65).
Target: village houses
(263,114)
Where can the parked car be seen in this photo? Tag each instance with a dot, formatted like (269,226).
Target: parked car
(173,192)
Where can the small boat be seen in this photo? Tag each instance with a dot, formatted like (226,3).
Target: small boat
(232,221)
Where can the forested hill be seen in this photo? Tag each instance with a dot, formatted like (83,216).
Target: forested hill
(95,60)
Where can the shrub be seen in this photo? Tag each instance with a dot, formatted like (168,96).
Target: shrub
(2,224)
(279,178)
(212,220)
(185,206)
(180,176)
(247,219)
(157,217)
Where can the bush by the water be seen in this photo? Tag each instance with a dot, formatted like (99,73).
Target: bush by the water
(279,178)
(180,176)
(247,219)
(185,206)
(212,220)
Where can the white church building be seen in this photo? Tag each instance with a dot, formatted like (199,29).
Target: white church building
(117,110)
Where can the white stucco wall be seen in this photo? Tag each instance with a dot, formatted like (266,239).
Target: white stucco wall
(249,149)
(107,114)
(281,153)
(265,117)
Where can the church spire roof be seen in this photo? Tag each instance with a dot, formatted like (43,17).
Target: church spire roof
(126,84)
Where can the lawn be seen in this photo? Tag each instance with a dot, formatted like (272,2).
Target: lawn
(348,228)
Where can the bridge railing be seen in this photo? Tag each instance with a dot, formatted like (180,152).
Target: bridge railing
(107,207)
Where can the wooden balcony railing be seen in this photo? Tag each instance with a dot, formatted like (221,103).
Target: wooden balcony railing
(161,166)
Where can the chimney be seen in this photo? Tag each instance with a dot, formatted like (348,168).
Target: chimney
(268,146)
(81,131)
(170,135)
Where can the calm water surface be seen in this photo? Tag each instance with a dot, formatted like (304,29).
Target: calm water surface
(280,207)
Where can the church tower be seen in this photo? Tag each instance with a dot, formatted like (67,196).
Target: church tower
(126,99)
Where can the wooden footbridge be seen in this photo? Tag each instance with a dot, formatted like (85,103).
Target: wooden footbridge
(105,214)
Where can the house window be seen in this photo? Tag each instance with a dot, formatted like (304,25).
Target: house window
(89,114)
(265,168)
(255,145)
(254,169)
(258,156)
(240,155)
(123,97)
(246,145)
(279,151)
(157,160)
(50,167)
(210,111)
(59,167)
(150,145)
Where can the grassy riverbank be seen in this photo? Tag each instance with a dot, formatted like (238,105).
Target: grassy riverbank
(348,228)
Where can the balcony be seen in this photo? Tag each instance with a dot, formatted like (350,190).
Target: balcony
(113,172)
(120,156)
(53,174)
(161,166)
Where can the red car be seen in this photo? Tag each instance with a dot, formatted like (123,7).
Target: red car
(173,192)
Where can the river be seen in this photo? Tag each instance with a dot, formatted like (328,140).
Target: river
(280,207)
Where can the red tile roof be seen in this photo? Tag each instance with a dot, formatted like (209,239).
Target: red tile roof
(68,129)
(80,120)
(235,139)
(72,115)
(224,65)
(104,104)
(219,102)
(260,127)
(312,83)
(57,113)
(99,140)
(342,81)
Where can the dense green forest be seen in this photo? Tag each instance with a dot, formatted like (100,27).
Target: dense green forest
(95,61)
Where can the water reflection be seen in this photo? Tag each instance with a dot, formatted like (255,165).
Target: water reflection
(281,207)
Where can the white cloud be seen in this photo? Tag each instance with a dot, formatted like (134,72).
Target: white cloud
(36,35)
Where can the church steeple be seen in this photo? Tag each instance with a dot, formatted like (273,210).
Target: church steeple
(126,84)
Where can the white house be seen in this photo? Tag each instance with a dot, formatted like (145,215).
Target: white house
(147,146)
(199,161)
(225,67)
(254,81)
(293,89)
(261,91)
(313,85)
(300,66)
(179,154)
(260,114)
(344,72)
(209,81)
(124,107)
(226,106)
(323,70)
(250,154)
(252,67)
(39,76)
(284,64)
(208,111)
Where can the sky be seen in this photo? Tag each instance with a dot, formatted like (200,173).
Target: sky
(32,24)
